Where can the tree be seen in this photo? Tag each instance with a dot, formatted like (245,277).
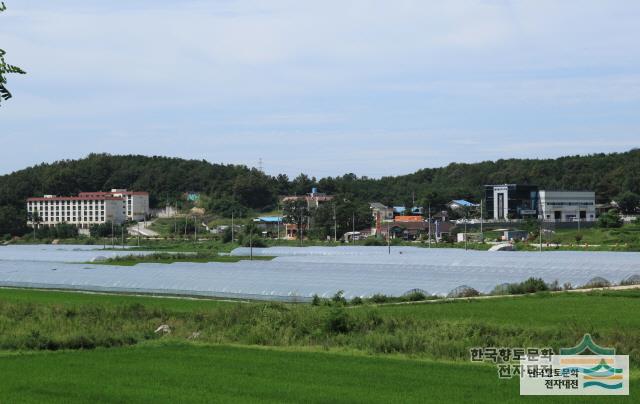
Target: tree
(296,212)
(628,202)
(6,68)
(250,237)
(347,208)
(611,219)
(35,219)
(11,221)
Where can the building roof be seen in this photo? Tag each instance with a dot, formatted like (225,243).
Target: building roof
(377,205)
(75,198)
(463,202)
(408,219)
(410,225)
(268,219)
(118,191)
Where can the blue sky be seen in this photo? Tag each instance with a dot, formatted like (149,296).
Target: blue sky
(327,87)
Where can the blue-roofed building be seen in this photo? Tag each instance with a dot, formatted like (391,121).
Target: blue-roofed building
(268,219)
(270,226)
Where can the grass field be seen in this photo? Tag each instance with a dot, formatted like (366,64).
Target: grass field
(628,234)
(223,374)
(106,350)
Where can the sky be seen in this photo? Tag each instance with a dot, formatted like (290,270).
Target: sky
(325,87)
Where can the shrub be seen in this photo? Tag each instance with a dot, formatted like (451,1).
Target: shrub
(611,219)
(531,285)
(414,296)
(379,298)
(373,241)
(339,321)
(356,301)
(316,301)
(256,242)
(227,235)
(338,298)
(469,292)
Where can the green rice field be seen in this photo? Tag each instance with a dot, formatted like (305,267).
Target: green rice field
(78,347)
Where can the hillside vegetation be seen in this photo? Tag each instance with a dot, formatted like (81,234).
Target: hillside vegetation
(238,188)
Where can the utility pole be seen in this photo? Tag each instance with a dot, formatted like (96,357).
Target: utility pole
(578,215)
(540,221)
(195,229)
(250,243)
(113,243)
(465,233)
(335,225)
(481,222)
(138,234)
(353,227)
(540,236)
(429,224)
(232,227)
(388,238)
(122,234)
(301,221)
(175,222)
(186,224)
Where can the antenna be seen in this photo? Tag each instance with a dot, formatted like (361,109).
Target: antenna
(260,164)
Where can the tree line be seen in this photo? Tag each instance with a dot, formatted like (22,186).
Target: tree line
(237,188)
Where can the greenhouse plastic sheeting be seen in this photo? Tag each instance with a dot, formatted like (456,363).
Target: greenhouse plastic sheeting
(61,252)
(298,275)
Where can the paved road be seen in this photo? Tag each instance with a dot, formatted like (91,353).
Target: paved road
(139,228)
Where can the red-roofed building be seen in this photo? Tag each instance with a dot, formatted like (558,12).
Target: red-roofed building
(88,208)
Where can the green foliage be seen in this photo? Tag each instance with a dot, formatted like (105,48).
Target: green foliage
(610,220)
(168,258)
(339,321)
(531,285)
(379,298)
(415,296)
(250,236)
(35,320)
(238,189)
(374,241)
(348,208)
(5,69)
(226,205)
(12,220)
(60,231)
(338,298)
(227,235)
(628,202)
(106,230)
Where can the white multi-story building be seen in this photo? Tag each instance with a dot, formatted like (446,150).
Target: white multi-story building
(88,208)
(136,202)
(567,206)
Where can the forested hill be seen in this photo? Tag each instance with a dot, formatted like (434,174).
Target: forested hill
(238,188)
